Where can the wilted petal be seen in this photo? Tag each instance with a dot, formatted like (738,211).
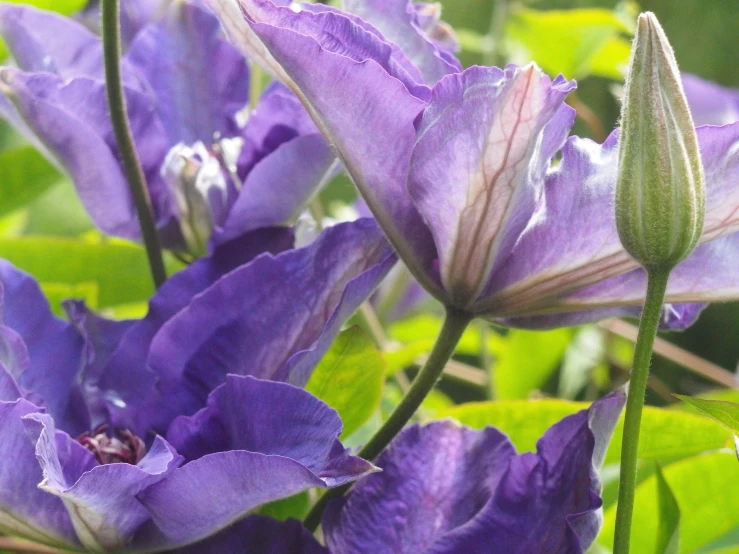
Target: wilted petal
(290,307)
(548,501)
(199,80)
(71,119)
(26,510)
(365,112)
(434,478)
(710,104)
(397,21)
(259,535)
(255,442)
(101,499)
(477,170)
(54,349)
(279,186)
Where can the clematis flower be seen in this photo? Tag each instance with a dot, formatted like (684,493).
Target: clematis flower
(459,171)
(710,104)
(446,489)
(113,440)
(214,169)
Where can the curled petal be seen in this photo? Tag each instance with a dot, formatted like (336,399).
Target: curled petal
(26,510)
(397,20)
(434,479)
(310,291)
(101,499)
(256,441)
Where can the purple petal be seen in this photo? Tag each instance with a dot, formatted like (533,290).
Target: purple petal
(101,337)
(710,104)
(290,307)
(397,21)
(26,510)
(127,379)
(256,441)
(259,535)
(101,499)
(364,111)
(434,479)
(71,119)
(198,79)
(54,349)
(548,501)
(9,390)
(570,259)
(279,186)
(42,41)
(478,166)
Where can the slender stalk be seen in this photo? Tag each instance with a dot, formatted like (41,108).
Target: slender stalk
(454,325)
(656,287)
(124,138)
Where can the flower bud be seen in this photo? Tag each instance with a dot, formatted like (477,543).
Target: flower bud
(660,192)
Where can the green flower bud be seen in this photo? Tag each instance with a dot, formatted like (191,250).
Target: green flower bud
(660,196)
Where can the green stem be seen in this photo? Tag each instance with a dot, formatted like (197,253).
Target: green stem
(124,138)
(656,287)
(454,325)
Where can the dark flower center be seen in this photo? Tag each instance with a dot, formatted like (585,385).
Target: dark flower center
(122,448)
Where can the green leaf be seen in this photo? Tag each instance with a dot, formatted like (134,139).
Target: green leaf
(666,435)
(668,530)
(576,43)
(705,486)
(350,378)
(293,506)
(26,175)
(65,7)
(58,212)
(117,269)
(525,360)
(724,413)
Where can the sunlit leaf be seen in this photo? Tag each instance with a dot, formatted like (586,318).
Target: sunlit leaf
(293,506)
(524,360)
(65,7)
(576,43)
(668,530)
(349,378)
(724,413)
(665,434)
(58,212)
(705,487)
(26,175)
(118,269)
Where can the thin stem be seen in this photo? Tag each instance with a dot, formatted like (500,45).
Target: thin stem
(454,325)
(496,55)
(255,85)
(124,138)
(656,287)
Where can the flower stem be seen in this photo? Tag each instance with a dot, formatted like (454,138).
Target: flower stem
(656,287)
(496,55)
(455,323)
(124,138)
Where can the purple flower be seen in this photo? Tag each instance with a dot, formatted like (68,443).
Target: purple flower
(158,433)
(710,104)
(446,489)
(458,171)
(214,169)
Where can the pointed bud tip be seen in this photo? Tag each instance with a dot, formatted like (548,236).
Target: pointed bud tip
(660,193)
